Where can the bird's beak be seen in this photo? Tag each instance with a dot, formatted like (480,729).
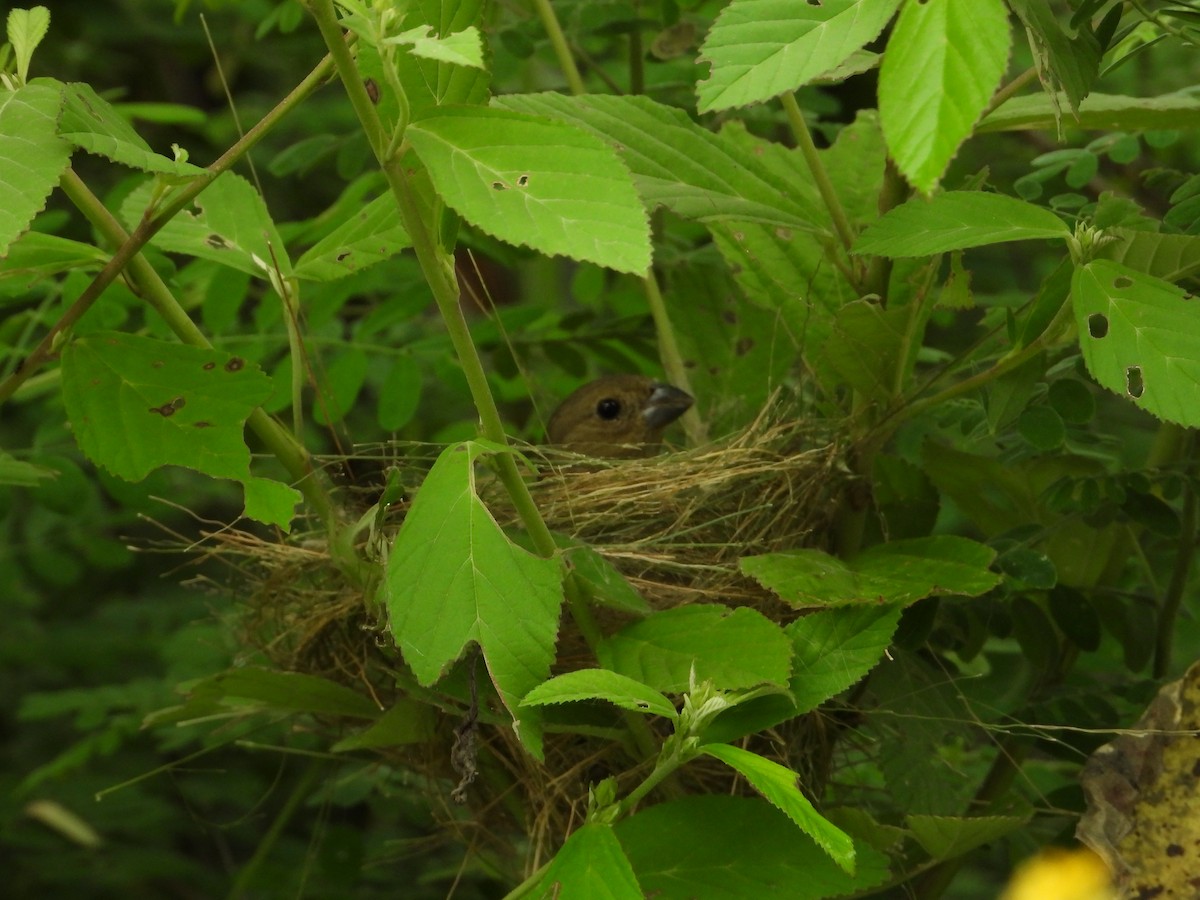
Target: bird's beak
(666,404)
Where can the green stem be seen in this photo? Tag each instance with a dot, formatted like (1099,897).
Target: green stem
(558,41)
(672,359)
(308,781)
(812,158)
(1007,92)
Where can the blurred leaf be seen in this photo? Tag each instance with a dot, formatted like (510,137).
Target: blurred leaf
(590,866)
(1076,617)
(945,837)
(1099,112)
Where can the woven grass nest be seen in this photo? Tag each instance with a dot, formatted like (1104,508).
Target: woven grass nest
(675,525)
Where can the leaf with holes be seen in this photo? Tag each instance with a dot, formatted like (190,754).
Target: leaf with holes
(1140,338)
(137,404)
(536,183)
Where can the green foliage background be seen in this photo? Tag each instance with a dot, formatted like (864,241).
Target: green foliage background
(983,396)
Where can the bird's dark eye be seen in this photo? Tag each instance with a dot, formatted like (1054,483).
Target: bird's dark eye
(608,408)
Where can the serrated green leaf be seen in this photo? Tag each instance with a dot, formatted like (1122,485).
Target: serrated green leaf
(834,648)
(780,785)
(732,648)
(270,501)
(608,586)
(678,164)
(32,155)
(91,123)
(601,684)
(229,224)
(1140,338)
(956,220)
(38,254)
(762,48)
(715,848)
(372,233)
(535,183)
(453,577)
(943,62)
(26,29)
(462,48)
(896,572)
(1099,112)
(1171,257)
(945,837)
(136,404)
(590,866)
(863,348)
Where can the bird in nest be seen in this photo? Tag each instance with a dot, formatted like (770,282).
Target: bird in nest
(617,416)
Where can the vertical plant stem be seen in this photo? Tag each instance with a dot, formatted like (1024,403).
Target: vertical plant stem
(562,51)
(804,141)
(1185,550)
(672,359)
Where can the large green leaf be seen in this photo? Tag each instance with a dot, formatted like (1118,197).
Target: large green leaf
(1099,112)
(32,155)
(453,577)
(678,164)
(590,866)
(944,60)
(896,572)
(762,48)
(90,122)
(779,785)
(137,404)
(732,648)
(1171,257)
(1071,63)
(956,220)
(536,183)
(715,848)
(229,224)
(1140,338)
(371,234)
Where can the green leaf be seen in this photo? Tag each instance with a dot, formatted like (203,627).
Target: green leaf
(678,164)
(256,690)
(601,684)
(371,234)
(453,577)
(715,848)
(229,224)
(340,383)
(462,48)
(407,722)
(270,501)
(1140,338)
(944,60)
(762,48)
(834,648)
(38,254)
(400,394)
(956,220)
(945,837)
(1171,257)
(732,648)
(26,28)
(1042,427)
(1099,112)
(897,572)
(137,404)
(1063,62)
(91,123)
(535,183)
(32,155)
(780,786)
(590,866)
(608,586)
(22,474)
(863,348)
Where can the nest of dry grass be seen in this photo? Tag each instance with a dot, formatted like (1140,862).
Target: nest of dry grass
(674,525)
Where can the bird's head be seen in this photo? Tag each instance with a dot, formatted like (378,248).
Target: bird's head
(618,416)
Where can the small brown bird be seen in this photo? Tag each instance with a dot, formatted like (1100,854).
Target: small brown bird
(618,416)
